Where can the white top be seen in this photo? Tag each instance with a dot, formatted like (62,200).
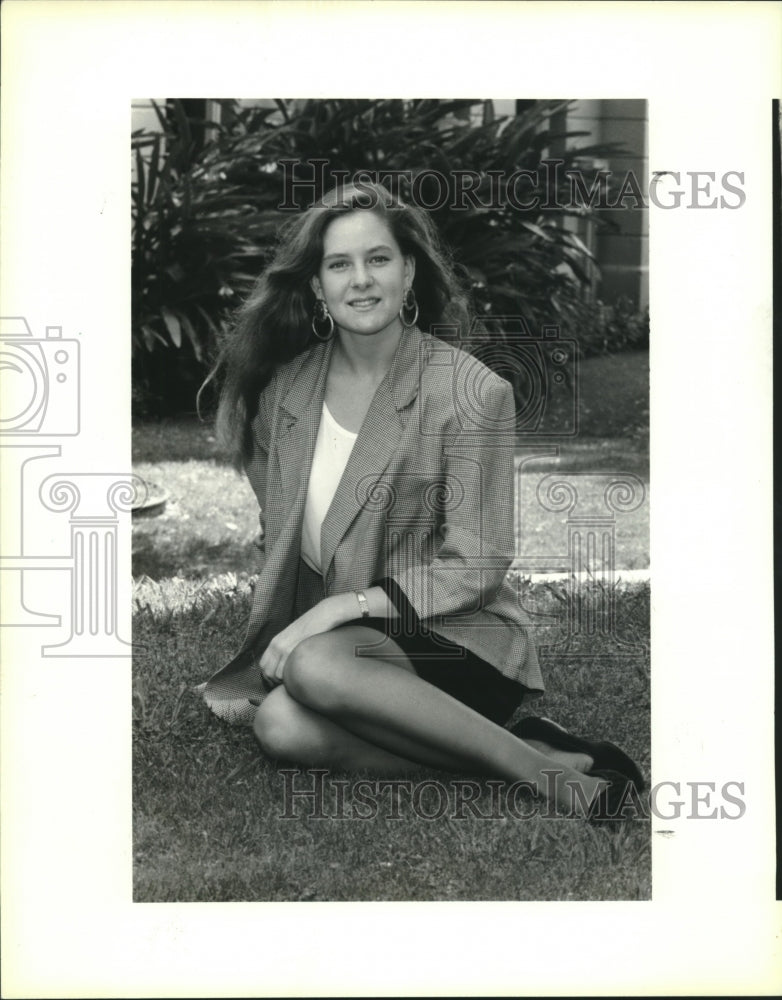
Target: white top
(333,446)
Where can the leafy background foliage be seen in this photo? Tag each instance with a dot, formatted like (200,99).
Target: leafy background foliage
(206,217)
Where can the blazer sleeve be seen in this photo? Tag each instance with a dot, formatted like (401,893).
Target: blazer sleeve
(474,543)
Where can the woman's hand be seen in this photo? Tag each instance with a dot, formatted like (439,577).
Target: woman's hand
(326,615)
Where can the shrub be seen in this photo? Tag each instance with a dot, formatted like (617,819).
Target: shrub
(205,219)
(610,329)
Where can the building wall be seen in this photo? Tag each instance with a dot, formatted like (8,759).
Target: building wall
(142,114)
(622,253)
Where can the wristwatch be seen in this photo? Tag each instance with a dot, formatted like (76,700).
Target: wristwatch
(363,603)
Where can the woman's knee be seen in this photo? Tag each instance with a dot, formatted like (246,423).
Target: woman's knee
(275,725)
(315,672)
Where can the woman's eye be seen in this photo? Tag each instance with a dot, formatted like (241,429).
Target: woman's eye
(339,265)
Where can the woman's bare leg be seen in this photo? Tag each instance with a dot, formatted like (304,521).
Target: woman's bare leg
(288,730)
(393,709)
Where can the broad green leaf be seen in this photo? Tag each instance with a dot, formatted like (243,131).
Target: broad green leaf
(537,230)
(172,325)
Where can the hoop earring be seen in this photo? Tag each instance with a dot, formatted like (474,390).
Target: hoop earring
(319,315)
(408,303)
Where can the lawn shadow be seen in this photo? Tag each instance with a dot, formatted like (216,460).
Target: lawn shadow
(159,557)
(176,439)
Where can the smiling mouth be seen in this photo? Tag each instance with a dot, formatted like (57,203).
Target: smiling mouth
(363,303)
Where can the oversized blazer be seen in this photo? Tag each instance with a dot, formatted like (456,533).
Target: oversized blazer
(426,501)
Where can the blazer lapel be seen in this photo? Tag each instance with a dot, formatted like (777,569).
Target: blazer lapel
(375,445)
(299,417)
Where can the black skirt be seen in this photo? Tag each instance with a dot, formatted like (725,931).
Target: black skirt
(445,664)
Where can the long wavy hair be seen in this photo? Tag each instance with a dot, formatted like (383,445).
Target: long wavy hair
(275,322)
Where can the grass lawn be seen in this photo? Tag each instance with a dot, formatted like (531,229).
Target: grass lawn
(209,810)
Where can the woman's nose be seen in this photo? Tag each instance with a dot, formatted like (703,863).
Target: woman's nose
(361,275)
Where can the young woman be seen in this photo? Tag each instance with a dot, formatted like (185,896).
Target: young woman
(384,634)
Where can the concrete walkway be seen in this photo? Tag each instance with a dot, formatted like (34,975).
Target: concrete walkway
(620,575)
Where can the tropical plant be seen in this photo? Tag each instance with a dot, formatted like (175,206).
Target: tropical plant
(198,242)
(205,220)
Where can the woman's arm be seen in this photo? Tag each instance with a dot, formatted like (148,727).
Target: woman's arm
(324,616)
(475,542)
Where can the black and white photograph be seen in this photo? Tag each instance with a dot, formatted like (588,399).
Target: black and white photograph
(387,498)
(426,325)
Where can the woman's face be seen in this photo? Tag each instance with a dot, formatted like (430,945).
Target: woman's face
(363,274)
